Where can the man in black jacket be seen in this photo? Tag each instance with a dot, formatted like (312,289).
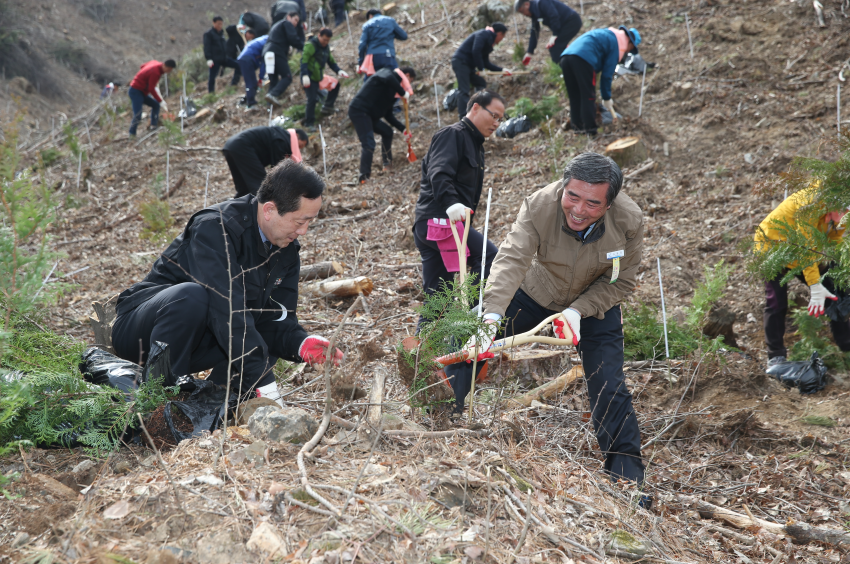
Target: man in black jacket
(374,101)
(249,152)
(452,180)
(473,56)
(283,35)
(234,46)
(225,291)
(564,22)
(215,51)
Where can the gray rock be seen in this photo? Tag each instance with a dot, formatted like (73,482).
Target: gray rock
(82,466)
(20,540)
(489,12)
(287,425)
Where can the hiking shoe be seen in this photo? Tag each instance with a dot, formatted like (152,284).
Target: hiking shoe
(775,360)
(310,128)
(252,107)
(326,111)
(273,100)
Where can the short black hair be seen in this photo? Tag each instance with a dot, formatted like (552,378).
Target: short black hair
(251,31)
(170,64)
(594,168)
(408,70)
(499,27)
(287,183)
(218,19)
(302,135)
(326,31)
(484,98)
(518,4)
(294,15)
(372,12)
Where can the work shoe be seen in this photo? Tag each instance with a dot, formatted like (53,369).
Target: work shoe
(771,362)
(273,100)
(310,128)
(363,179)
(326,111)
(253,107)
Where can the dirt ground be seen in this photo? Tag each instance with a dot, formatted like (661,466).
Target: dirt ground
(758,91)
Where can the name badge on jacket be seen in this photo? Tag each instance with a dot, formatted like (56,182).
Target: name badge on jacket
(616,255)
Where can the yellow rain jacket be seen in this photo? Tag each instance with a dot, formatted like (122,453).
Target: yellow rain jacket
(786,211)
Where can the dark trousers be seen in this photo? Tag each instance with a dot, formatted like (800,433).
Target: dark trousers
(776,308)
(247,171)
(366,126)
(179,317)
(601,351)
(339,14)
(312,96)
(280,80)
(249,73)
(138,99)
(466,79)
(569,29)
(434,271)
(218,68)
(580,80)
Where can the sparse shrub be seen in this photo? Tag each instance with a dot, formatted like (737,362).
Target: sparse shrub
(554,76)
(519,52)
(296,112)
(49,156)
(170,134)
(157,219)
(814,336)
(546,108)
(73,142)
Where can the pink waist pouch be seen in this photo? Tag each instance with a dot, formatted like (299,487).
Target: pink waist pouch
(440,231)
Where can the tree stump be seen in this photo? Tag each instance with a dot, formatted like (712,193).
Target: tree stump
(720,322)
(627,151)
(537,365)
(102,321)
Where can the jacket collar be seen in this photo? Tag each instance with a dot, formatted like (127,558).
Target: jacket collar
(476,135)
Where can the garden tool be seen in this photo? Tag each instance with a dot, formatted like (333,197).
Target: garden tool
(411,156)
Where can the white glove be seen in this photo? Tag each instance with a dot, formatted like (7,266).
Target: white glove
(163,106)
(485,337)
(551,42)
(609,105)
(269,58)
(406,95)
(819,295)
(343,74)
(573,319)
(457,212)
(305,81)
(210,63)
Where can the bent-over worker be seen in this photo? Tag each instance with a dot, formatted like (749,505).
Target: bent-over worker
(251,61)
(225,290)
(376,49)
(472,57)
(564,22)
(283,35)
(249,152)
(374,101)
(772,230)
(314,57)
(574,249)
(144,91)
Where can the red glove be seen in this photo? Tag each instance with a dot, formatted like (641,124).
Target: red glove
(313,349)
(506,72)
(260,83)
(526,60)
(573,318)
(551,42)
(408,135)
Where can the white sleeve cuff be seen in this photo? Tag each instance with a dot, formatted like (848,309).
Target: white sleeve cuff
(493,316)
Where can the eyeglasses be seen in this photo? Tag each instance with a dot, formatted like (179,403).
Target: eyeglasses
(497,119)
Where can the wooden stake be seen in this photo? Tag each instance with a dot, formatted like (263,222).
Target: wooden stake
(167,166)
(663,312)
(642,82)
(376,398)
(437,103)
(480,299)
(91,145)
(349,28)
(838,110)
(324,162)
(688,26)
(79,169)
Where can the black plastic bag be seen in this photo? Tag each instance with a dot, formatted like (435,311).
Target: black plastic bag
(838,310)
(105,369)
(514,127)
(204,409)
(809,376)
(450,101)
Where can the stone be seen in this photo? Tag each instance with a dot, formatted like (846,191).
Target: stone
(45,485)
(247,409)
(490,12)
(223,548)
(161,557)
(284,425)
(202,113)
(391,422)
(20,540)
(82,467)
(623,541)
(265,538)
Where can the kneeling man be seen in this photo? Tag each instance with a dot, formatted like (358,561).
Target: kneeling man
(225,291)
(574,249)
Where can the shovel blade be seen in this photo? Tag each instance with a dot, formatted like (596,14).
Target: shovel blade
(411,156)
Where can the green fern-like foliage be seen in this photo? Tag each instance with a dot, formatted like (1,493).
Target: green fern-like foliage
(815,336)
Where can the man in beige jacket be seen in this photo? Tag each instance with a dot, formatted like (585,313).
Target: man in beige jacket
(574,249)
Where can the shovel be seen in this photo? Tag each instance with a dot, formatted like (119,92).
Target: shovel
(513,341)
(411,156)
(461,245)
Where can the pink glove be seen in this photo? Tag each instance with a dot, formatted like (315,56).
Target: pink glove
(526,60)
(313,349)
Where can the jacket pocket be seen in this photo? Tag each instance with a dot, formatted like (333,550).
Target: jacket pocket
(467,171)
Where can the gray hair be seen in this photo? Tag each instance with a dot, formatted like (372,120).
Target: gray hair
(594,168)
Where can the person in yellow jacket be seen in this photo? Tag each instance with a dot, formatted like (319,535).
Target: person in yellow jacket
(776,294)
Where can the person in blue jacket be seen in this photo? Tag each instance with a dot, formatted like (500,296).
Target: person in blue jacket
(249,61)
(473,56)
(597,51)
(378,39)
(564,22)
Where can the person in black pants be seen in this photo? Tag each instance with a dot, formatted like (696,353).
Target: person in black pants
(235,44)
(283,35)
(226,290)
(564,22)
(338,8)
(249,152)
(451,184)
(374,101)
(215,51)
(580,81)
(473,56)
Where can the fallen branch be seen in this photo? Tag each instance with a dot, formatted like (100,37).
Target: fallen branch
(644,168)
(550,388)
(174,188)
(198,148)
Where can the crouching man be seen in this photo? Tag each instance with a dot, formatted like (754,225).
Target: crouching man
(227,288)
(574,249)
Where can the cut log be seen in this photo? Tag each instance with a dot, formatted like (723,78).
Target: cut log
(720,322)
(339,288)
(436,387)
(549,389)
(376,398)
(319,271)
(388,9)
(102,321)
(627,151)
(538,365)
(682,90)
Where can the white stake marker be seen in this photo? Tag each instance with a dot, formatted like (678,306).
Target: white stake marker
(688,26)
(437,103)
(324,162)
(663,311)
(642,82)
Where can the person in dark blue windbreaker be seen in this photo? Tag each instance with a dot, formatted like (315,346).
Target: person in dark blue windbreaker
(249,61)
(597,51)
(378,40)
(564,22)
(473,56)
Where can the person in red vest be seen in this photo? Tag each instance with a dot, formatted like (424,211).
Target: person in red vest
(144,90)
